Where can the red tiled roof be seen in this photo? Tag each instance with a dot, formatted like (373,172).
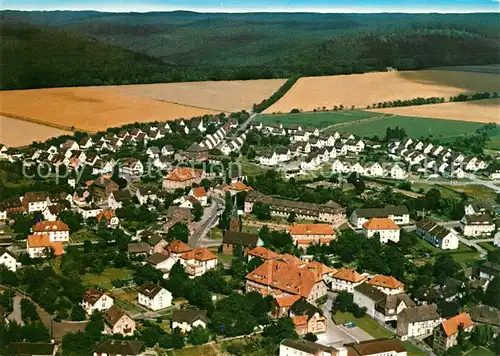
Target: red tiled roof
(349,275)
(262,253)
(181,174)
(287,301)
(177,246)
(451,325)
(43,240)
(385,281)
(47,226)
(380,224)
(299,320)
(312,229)
(199,192)
(199,254)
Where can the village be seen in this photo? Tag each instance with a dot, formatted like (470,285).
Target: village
(358,266)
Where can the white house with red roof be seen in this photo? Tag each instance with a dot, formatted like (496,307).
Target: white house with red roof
(56,230)
(386,229)
(198,261)
(346,279)
(200,194)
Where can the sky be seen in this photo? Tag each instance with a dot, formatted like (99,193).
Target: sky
(329,6)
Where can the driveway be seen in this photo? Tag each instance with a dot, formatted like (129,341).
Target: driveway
(338,333)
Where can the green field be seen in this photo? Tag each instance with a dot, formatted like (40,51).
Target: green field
(414,126)
(480,351)
(474,191)
(319,119)
(104,279)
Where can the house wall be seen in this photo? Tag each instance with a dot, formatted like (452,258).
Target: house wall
(186,327)
(104,303)
(385,235)
(54,236)
(340,285)
(9,262)
(477,230)
(160,301)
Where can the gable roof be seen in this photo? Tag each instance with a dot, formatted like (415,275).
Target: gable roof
(244,238)
(306,346)
(263,253)
(177,246)
(32,348)
(199,192)
(4,250)
(149,289)
(181,174)
(380,280)
(138,247)
(349,275)
(48,226)
(375,347)
(113,315)
(420,313)
(120,347)
(485,314)
(382,212)
(156,258)
(43,241)
(450,326)
(92,296)
(286,301)
(189,315)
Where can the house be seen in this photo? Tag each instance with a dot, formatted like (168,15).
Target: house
(478,209)
(182,177)
(187,319)
(103,187)
(197,152)
(398,214)
(161,262)
(112,347)
(39,246)
(346,279)
(156,241)
(56,230)
(387,284)
(34,201)
(377,347)
(116,321)
(198,261)
(477,225)
(32,349)
(8,260)
(484,314)
(446,334)
(312,321)
(94,300)
(281,305)
(289,347)
(373,169)
(306,234)
(380,306)
(154,297)
(131,167)
(200,194)
(139,249)
(396,172)
(51,212)
(247,241)
(330,212)
(153,152)
(116,199)
(268,159)
(437,235)
(89,211)
(109,216)
(167,150)
(144,195)
(386,229)
(277,277)
(263,253)
(417,322)
(489,270)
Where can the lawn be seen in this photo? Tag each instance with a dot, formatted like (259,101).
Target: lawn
(250,229)
(480,351)
(424,187)
(83,235)
(320,119)
(464,254)
(224,258)
(414,126)
(475,191)
(215,234)
(249,168)
(104,279)
(366,323)
(125,298)
(488,246)
(205,350)
(412,349)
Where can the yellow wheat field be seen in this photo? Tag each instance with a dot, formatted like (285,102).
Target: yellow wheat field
(228,96)
(477,111)
(89,109)
(360,90)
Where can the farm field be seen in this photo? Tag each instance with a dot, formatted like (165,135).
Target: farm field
(319,119)
(492,68)
(476,191)
(484,111)
(226,96)
(360,90)
(414,126)
(88,109)
(16,133)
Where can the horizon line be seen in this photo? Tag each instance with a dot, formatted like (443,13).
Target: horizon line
(241,11)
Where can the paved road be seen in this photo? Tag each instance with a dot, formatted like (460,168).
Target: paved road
(244,126)
(338,333)
(473,181)
(208,221)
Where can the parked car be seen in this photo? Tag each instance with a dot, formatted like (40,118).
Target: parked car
(349,324)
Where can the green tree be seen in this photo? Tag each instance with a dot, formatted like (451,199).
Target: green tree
(491,296)
(482,334)
(197,212)
(147,273)
(73,219)
(281,329)
(178,231)
(261,211)
(311,337)
(199,336)
(343,302)
(29,313)
(78,313)
(291,217)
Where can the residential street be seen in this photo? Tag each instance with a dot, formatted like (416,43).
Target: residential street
(339,333)
(208,221)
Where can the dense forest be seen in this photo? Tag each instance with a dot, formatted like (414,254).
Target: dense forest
(43,49)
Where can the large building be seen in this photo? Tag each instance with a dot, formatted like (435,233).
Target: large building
(346,280)
(330,212)
(57,230)
(289,347)
(398,214)
(182,177)
(306,234)
(418,322)
(39,246)
(280,278)
(198,261)
(377,347)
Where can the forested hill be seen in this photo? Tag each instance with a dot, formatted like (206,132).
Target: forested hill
(41,49)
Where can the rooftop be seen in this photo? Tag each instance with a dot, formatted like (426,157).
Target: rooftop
(380,224)
(312,229)
(380,280)
(451,325)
